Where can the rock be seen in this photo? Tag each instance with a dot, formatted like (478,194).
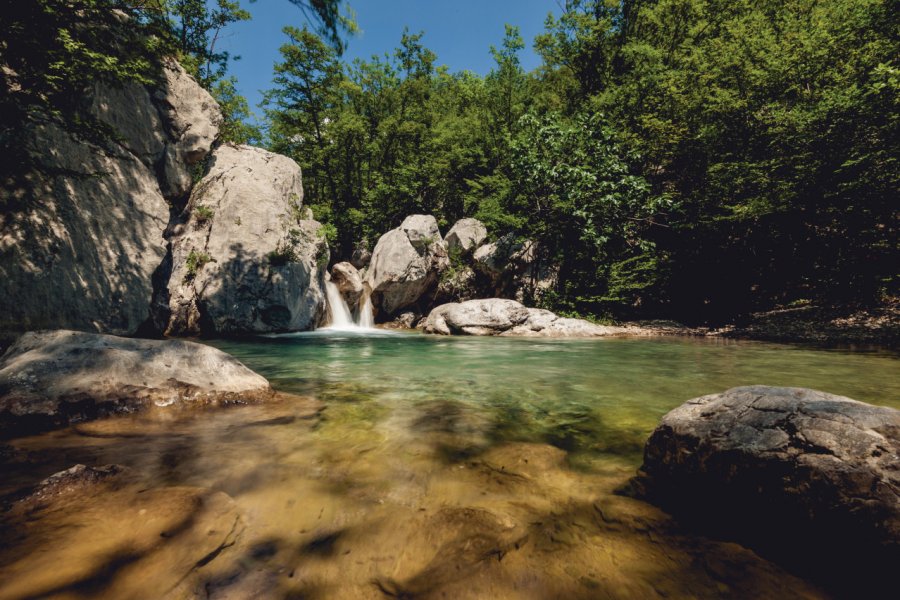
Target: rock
(516,269)
(457,284)
(50,378)
(807,476)
(246,262)
(405,320)
(81,234)
(496,316)
(115,535)
(362,256)
(345,276)
(465,236)
(406,263)
(421,230)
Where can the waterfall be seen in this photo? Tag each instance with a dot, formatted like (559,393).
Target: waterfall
(338,310)
(366,312)
(340,317)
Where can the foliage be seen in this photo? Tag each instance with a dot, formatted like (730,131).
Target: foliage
(203,213)
(193,263)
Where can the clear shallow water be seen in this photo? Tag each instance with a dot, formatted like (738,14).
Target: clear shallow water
(404,466)
(584,396)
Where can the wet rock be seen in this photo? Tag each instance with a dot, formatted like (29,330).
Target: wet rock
(465,236)
(51,378)
(406,263)
(496,316)
(345,276)
(247,261)
(810,477)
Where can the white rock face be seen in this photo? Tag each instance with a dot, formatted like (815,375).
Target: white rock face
(82,235)
(245,260)
(406,263)
(55,376)
(465,236)
(497,316)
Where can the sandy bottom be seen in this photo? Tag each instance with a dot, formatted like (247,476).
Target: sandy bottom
(294,500)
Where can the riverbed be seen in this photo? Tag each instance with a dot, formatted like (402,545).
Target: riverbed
(404,465)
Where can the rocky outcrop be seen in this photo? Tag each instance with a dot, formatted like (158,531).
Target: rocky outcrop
(81,233)
(517,269)
(349,283)
(245,260)
(496,316)
(362,256)
(51,378)
(406,263)
(798,473)
(465,236)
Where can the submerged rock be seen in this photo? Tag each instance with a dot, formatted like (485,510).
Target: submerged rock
(497,316)
(406,263)
(81,234)
(808,476)
(246,260)
(51,378)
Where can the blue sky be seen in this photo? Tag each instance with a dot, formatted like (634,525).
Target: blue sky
(460,32)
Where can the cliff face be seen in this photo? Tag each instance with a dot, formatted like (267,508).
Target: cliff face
(81,235)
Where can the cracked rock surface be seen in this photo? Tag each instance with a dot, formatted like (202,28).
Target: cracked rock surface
(792,470)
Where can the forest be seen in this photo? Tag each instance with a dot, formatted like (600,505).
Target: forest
(688,159)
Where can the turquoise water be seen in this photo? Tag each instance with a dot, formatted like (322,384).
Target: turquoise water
(585,396)
(405,466)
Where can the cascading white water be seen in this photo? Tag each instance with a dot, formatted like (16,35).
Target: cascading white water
(340,317)
(366,312)
(338,310)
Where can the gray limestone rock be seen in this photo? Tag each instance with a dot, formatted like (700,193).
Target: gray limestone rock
(50,378)
(496,316)
(81,234)
(246,261)
(802,474)
(406,263)
(465,236)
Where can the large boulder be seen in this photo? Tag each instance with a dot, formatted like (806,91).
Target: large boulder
(246,261)
(810,477)
(406,263)
(81,230)
(465,236)
(497,316)
(53,377)
(345,276)
(519,269)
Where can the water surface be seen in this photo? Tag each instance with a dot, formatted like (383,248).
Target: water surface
(405,466)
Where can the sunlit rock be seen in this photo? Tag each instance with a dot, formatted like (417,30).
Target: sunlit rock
(54,377)
(246,259)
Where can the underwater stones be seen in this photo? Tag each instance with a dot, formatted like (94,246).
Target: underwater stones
(465,236)
(804,474)
(51,378)
(406,264)
(247,261)
(106,536)
(497,316)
